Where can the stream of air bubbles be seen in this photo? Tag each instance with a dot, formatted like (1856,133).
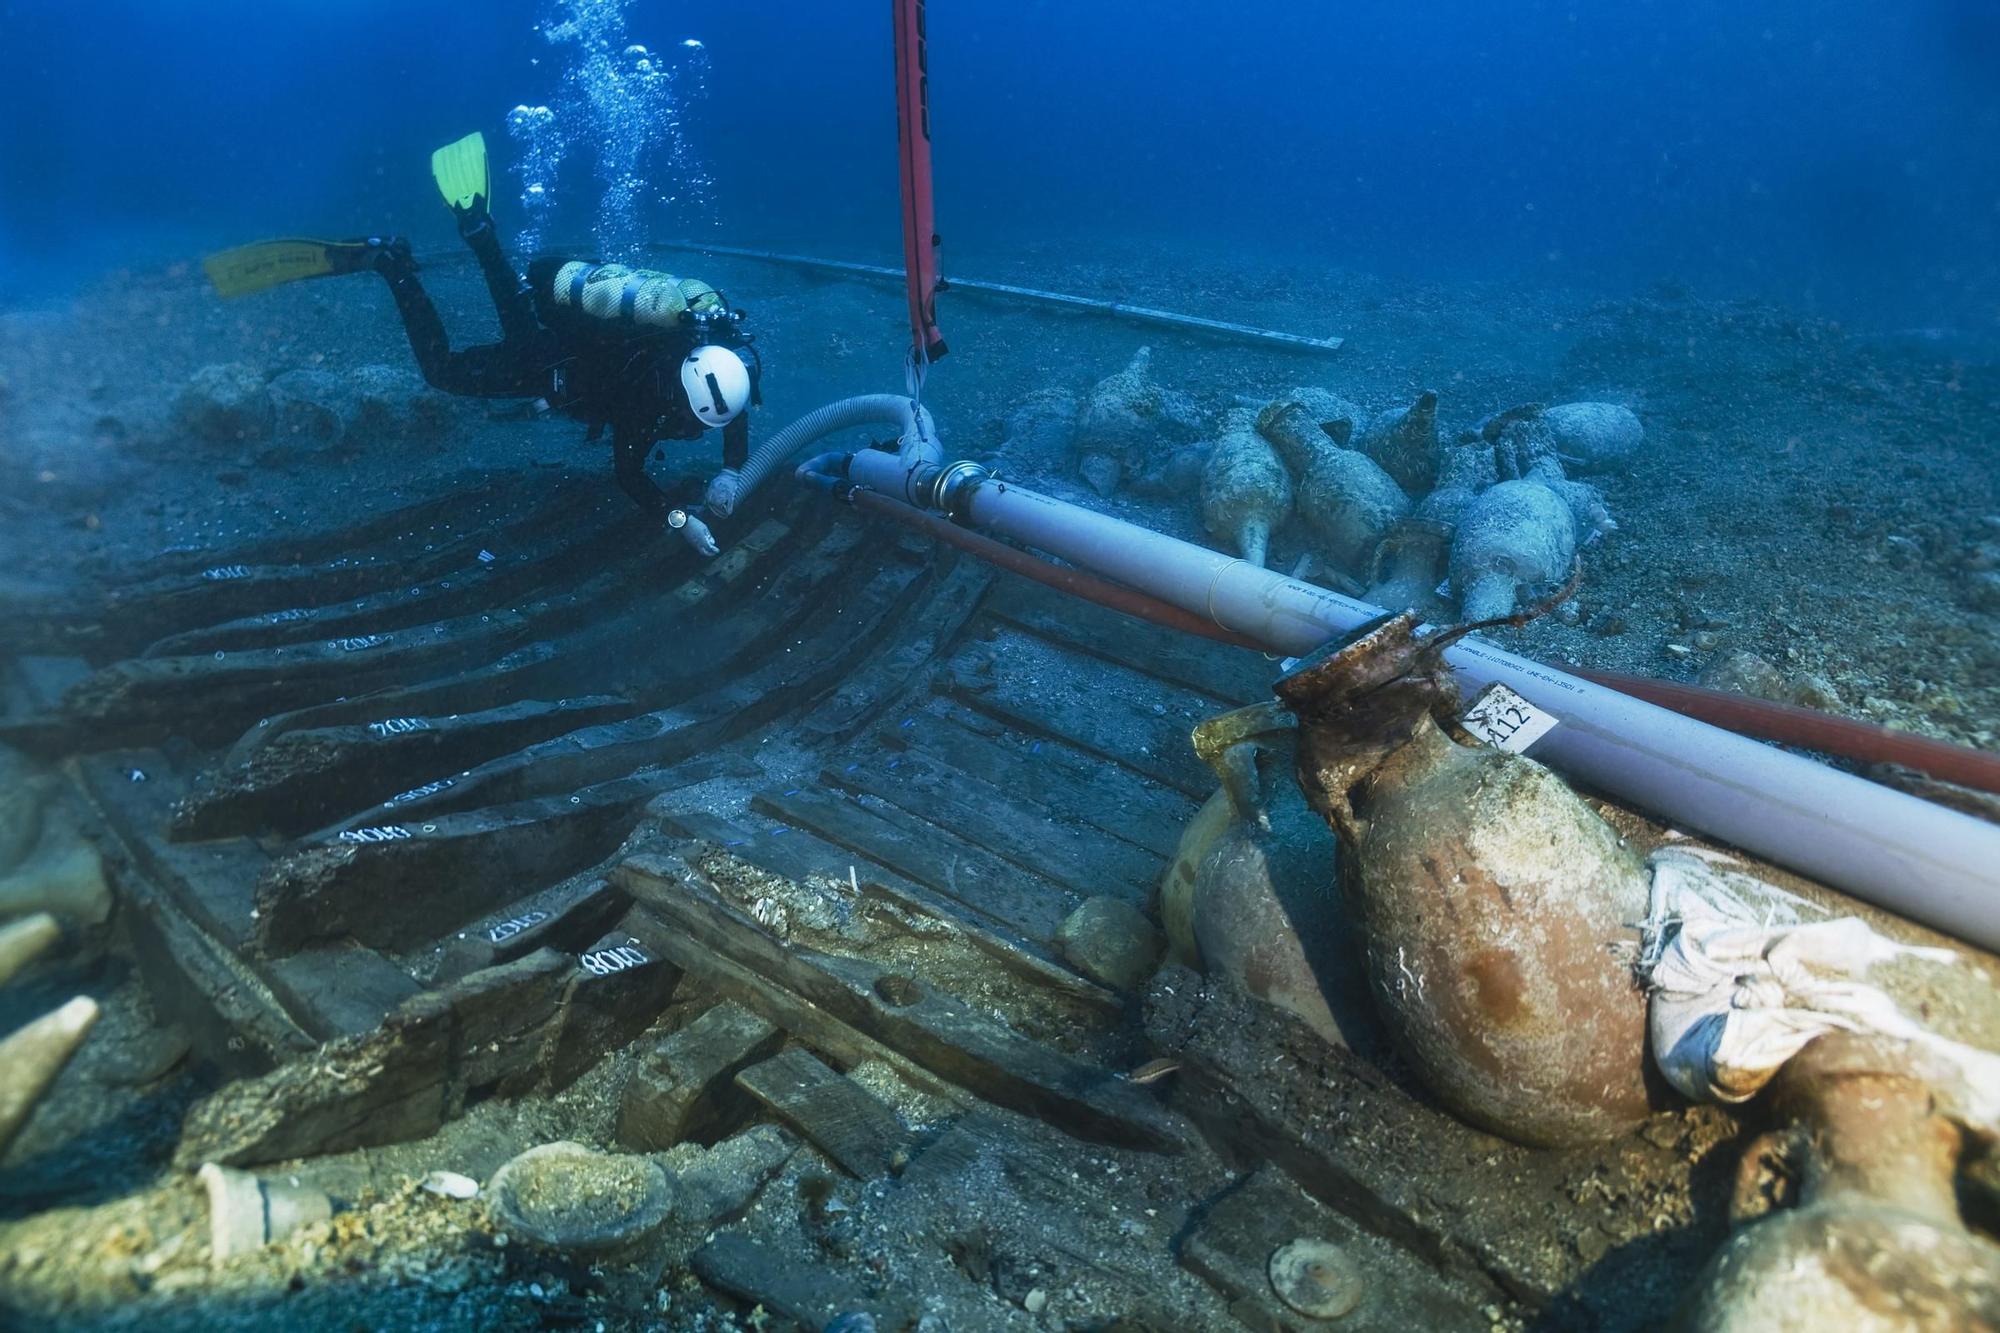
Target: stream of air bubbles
(624,107)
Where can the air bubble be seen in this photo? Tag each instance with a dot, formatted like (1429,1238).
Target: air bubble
(626,105)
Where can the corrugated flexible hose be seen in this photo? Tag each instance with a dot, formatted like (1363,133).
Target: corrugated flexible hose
(915,431)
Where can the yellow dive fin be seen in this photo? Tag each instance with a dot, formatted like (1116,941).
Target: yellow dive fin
(460,171)
(267,264)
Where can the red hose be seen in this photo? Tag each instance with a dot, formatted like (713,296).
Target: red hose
(1810,729)
(1787,724)
(1115,596)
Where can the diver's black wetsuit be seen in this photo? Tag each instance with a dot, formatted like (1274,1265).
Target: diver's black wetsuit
(612,378)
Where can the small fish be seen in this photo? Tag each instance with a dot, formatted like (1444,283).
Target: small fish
(1153,1070)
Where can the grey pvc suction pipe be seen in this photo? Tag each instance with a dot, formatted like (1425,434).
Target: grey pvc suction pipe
(1907,855)
(909,417)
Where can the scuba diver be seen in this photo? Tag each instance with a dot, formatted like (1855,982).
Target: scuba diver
(650,356)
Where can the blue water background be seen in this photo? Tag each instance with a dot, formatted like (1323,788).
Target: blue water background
(1838,156)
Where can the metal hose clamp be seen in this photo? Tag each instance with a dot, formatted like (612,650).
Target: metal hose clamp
(950,490)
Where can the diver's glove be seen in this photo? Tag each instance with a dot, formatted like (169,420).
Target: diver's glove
(694,530)
(725,491)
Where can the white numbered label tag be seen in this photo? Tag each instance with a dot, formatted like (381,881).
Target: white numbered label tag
(1506,721)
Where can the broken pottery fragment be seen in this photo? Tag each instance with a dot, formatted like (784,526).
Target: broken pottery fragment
(1492,902)
(31,1058)
(21,942)
(450,1185)
(1246,494)
(570,1197)
(1404,440)
(246,1213)
(1874,1239)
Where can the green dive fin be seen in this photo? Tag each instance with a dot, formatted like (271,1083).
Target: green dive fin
(460,171)
(267,264)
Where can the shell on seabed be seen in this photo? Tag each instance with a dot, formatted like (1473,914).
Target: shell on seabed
(1316,1278)
(1492,903)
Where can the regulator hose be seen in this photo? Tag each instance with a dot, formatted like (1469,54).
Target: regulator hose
(916,435)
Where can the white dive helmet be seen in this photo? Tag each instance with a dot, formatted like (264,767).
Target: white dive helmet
(717,384)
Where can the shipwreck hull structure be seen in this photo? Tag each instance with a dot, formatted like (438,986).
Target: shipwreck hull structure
(459,800)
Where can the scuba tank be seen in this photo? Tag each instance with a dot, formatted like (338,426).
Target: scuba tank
(618,305)
(620,295)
